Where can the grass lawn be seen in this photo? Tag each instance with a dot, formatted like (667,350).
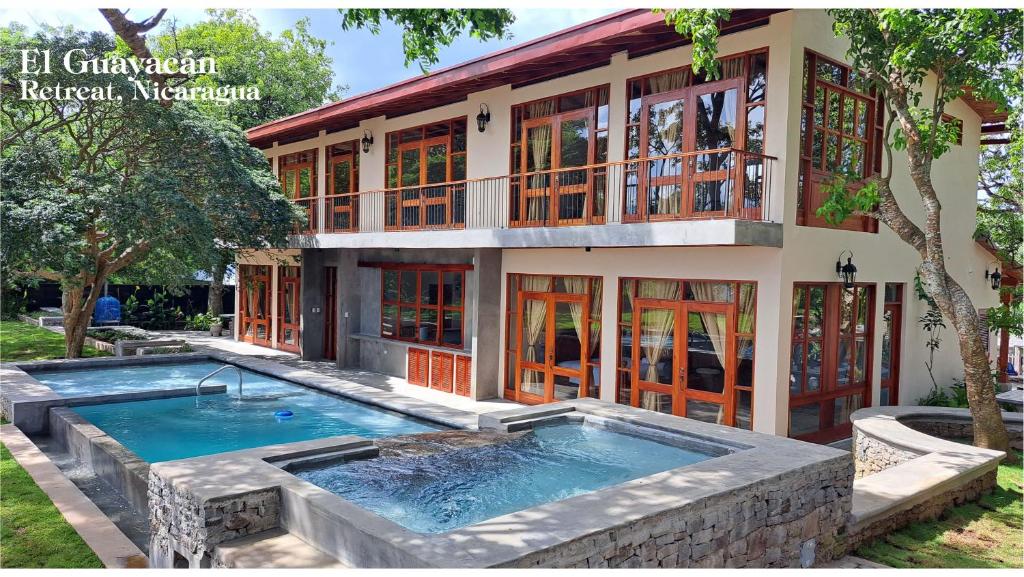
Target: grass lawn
(983,534)
(32,532)
(23,342)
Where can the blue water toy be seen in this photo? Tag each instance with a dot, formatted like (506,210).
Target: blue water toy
(283,415)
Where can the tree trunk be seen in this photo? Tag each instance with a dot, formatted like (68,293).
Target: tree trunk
(215,300)
(77,309)
(955,304)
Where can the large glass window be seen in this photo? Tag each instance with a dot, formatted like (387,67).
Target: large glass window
(686,347)
(673,118)
(423,304)
(840,130)
(550,138)
(426,172)
(297,173)
(830,358)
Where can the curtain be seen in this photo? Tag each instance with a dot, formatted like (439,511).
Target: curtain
(746,313)
(655,327)
(714,323)
(534,319)
(668,81)
(540,145)
(578,285)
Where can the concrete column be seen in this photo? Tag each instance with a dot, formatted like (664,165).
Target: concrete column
(349,305)
(609,336)
(274,268)
(312,299)
(485,317)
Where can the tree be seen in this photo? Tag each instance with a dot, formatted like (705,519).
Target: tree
(426,30)
(292,71)
(93,186)
(900,51)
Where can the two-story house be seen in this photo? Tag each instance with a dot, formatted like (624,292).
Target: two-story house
(583,215)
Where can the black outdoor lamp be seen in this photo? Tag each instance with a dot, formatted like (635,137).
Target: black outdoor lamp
(994,277)
(367,140)
(483,118)
(848,271)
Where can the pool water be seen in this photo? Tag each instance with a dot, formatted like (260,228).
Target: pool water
(92,382)
(444,491)
(181,427)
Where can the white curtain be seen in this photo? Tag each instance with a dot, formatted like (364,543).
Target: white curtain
(655,327)
(534,319)
(714,323)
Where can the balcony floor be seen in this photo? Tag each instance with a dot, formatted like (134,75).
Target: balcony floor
(710,232)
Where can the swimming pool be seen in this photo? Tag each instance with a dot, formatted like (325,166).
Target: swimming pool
(129,379)
(447,490)
(182,427)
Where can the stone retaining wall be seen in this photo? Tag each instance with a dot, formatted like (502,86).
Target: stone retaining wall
(961,429)
(871,455)
(187,528)
(793,521)
(929,510)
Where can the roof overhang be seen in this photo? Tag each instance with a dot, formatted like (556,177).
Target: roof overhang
(581,47)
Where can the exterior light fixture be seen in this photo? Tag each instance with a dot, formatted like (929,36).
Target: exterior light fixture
(367,140)
(483,118)
(848,271)
(994,277)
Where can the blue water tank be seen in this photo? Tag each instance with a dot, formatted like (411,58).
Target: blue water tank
(107,311)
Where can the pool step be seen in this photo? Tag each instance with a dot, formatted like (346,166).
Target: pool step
(326,458)
(275,548)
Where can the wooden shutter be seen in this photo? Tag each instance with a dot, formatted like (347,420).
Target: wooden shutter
(463,364)
(442,366)
(419,366)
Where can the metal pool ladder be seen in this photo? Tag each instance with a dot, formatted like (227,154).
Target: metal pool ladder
(224,368)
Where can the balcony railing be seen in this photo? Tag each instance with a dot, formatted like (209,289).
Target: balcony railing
(711,184)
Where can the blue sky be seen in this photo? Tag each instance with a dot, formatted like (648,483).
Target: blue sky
(361,60)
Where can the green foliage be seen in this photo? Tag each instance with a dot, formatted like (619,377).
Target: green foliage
(932,323)
(847,195)
(292,70)
(33,533)
(114,335)
(426,30)
(14,295)
(200,322)
(24,342)
(93,186)
(159,315)
(701,26)
(131,311)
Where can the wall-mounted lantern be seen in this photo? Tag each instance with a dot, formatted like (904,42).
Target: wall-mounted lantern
(367,141)
(483,118)
(848,271)
(994,277)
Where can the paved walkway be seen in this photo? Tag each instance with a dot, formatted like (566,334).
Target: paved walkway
(200,341)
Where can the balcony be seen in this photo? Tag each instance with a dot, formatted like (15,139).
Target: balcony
(710,186)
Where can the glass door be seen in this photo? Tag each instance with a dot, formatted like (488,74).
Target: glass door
(661,189)
(409,178)
(892,317)
(574,150)
(255,306)
(658,366)
(341,211)
(288,308)
(709,346)
(712,170)
(553,334)
(436,200)
(535,198)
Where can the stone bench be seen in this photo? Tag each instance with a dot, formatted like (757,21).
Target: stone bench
(905,476)
(272,549)
(130,348)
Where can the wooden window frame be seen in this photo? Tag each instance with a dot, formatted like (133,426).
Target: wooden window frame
(295,163)
(829,389)
(600,97)
(811,177)
(692,88)
(418,270)
(454,186)
(732,390)
(284,277)
(896,307)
